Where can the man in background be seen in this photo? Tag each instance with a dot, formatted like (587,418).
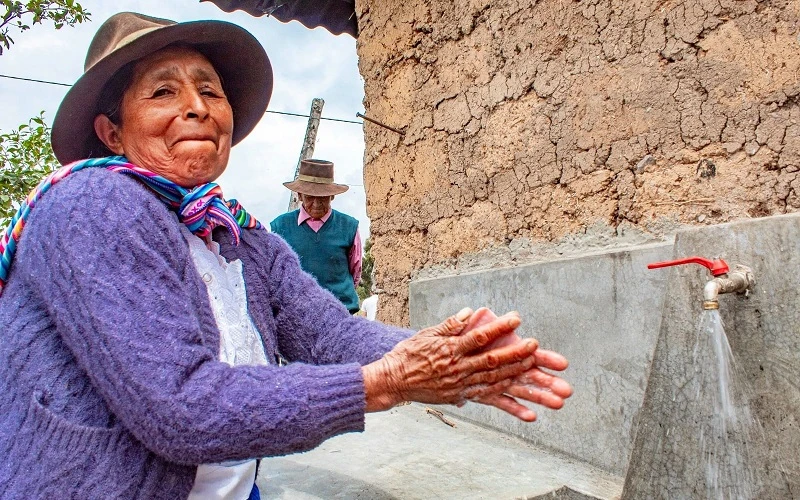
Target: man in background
(326,240)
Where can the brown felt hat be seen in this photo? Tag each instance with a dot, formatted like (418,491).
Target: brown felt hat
(316,179)
(235,54)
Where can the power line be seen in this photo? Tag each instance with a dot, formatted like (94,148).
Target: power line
(268,111)
(321,117)
(36,81)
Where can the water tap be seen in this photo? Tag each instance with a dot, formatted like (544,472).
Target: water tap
(740,280)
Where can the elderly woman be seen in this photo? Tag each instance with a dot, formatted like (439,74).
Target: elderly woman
(144,317)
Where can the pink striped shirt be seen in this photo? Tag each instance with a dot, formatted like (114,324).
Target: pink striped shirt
(354,257)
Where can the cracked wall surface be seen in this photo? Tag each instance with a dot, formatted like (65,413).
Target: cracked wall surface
(534,129)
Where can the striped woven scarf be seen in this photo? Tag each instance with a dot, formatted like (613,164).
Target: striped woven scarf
(201,208)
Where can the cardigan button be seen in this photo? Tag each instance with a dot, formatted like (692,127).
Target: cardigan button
(207,277)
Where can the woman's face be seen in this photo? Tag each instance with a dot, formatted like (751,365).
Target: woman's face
(175,119)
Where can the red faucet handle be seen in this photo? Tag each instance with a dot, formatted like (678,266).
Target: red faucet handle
(716,266)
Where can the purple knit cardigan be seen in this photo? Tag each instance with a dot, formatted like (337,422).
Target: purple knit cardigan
(110,384)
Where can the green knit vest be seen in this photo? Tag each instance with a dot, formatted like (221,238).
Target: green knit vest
(323,255)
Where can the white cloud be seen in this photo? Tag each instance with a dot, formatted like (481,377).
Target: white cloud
(306,63)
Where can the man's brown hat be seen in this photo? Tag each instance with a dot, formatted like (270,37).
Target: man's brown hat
(316,179)
(235,54)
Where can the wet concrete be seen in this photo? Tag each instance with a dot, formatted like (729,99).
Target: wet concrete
(407,453)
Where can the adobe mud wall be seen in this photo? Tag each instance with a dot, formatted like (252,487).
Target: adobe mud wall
(539,129)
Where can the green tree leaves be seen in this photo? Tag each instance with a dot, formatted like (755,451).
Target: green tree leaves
(25,158)
(25,153)
(23,15)
(364,288)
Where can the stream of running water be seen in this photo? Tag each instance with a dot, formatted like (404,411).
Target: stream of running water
(730,426)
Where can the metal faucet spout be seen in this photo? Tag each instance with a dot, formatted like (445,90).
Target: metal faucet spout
(741,280)
(710,293)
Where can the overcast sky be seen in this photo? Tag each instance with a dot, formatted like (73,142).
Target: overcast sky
(306,64)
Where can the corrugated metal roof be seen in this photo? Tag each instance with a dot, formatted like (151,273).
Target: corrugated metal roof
(337,16)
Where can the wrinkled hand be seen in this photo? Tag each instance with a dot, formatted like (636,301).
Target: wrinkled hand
(445,364)
(535,385)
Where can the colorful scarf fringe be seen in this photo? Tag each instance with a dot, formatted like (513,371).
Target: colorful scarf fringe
(201,208)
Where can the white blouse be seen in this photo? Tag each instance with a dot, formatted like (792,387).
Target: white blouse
(239,344)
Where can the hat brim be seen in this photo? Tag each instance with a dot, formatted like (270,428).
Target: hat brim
(236,55)
(315,188)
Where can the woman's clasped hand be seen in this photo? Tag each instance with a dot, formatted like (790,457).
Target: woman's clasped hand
(472,356)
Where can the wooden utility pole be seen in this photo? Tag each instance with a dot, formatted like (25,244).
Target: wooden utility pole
(307,151)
